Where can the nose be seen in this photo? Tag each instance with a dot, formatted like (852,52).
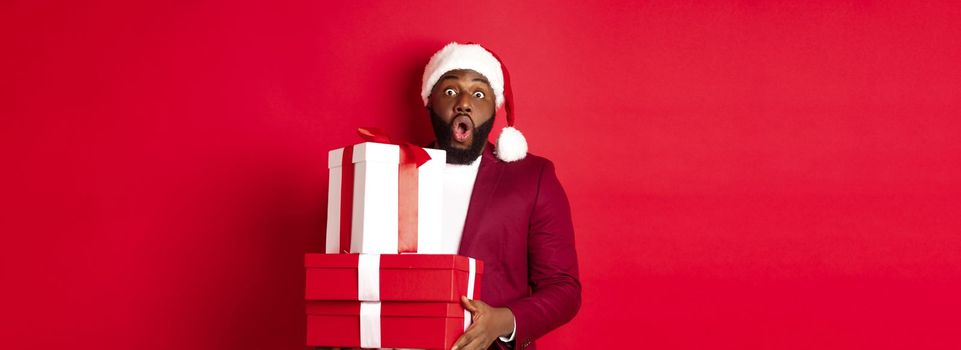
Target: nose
(463,104)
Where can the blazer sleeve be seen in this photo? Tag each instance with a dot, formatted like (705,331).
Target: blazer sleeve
(555,288)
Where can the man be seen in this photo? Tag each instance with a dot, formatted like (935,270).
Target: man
(502,205)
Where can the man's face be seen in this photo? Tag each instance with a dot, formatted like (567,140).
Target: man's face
(462,111)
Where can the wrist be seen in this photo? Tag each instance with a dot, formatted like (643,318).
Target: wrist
(505,322)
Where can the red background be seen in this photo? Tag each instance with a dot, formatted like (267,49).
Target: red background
(742,174)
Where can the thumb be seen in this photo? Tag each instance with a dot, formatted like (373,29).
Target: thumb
(468,304)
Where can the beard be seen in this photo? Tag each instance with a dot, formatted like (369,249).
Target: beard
(444,135)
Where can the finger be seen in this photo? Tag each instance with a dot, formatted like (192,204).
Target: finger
(478,343)
(480,305)
(462,341)
(469,339)
(468,304)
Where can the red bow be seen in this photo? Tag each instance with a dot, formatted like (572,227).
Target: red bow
(409,153)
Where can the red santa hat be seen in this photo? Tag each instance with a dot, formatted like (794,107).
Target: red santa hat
(511,144)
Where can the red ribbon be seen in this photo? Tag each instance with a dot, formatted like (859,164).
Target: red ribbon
(411,157)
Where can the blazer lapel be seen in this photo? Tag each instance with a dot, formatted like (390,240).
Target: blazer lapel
(488,176)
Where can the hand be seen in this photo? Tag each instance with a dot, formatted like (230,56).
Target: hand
(488,324)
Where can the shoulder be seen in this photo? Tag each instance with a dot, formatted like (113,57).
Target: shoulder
(531,169)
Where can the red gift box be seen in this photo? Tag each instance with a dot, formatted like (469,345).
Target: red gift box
(391,300)
(403,277)
(434,325)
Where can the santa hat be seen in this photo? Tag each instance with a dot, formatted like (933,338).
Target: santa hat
(511,144)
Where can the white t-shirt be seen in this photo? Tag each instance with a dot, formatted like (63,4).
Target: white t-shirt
(458,186)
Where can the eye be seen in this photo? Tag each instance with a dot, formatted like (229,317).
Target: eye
(479,94)
(450,92)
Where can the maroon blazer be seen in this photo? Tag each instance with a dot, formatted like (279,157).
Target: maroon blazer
(519,224)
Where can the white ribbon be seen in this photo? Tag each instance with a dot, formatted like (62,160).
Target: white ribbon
(472,268)
(370,324)
(368,292)
(368,277)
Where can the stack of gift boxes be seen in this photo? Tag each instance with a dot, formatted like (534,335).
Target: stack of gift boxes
(382,282)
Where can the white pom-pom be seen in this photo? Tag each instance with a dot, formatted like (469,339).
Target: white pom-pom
(511,145)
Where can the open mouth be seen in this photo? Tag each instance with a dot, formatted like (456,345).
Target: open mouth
(462,127)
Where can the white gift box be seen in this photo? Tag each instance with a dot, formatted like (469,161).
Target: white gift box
(374,212)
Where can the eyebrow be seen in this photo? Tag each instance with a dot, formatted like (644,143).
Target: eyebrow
(475,79)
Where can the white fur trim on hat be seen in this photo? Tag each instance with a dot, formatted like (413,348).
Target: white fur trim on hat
(511,145)
(464,56)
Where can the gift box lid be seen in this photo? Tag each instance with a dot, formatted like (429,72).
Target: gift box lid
(387,309)
(366,152)
(395,261)
(401,277)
